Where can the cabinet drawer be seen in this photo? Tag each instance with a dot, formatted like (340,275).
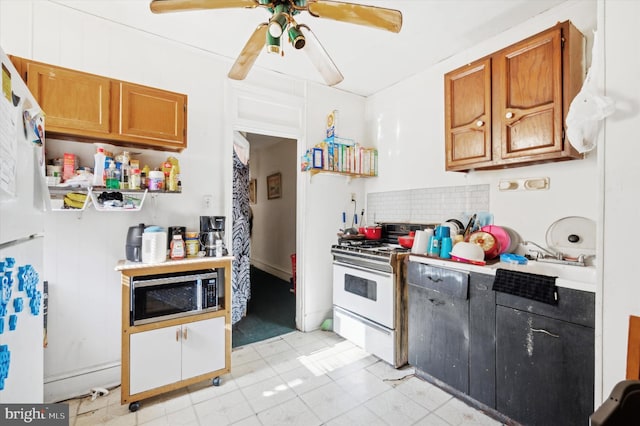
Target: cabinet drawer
(445,281)
(573,306)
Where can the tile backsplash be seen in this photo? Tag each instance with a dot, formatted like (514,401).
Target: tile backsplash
(427,205)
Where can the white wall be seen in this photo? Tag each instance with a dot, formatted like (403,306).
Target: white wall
(326,196)
(620,289)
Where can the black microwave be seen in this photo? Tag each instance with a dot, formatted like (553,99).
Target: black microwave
(165,296)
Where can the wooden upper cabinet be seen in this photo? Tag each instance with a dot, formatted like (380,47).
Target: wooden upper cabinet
(468,114)
(90,108)
(531,85)
(75,103)
(152,114)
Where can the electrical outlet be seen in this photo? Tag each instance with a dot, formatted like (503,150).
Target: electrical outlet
(207,200)
(353,196)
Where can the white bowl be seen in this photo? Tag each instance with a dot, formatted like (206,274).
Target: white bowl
(468,251)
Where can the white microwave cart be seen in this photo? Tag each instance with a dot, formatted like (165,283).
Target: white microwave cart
(170,354)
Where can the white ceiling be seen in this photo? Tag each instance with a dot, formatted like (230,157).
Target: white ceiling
(370,59)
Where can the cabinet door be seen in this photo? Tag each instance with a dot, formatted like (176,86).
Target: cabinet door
(76,103)
(468,115)
(154,358)
(528,114)
(544,368)
(439,336)
(203,345)
(152,114)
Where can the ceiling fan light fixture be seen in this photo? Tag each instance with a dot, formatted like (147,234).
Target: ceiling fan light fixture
(273,43)
(279,20)
(296,37)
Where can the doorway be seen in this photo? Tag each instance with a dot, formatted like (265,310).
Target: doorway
(264,248)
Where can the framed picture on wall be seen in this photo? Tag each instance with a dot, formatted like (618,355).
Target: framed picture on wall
(252,191)
(274,186)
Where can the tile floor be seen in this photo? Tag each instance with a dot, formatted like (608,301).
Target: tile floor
(299,379)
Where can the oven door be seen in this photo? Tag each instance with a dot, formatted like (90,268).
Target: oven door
(366,292)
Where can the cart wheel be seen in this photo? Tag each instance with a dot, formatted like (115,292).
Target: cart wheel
(134,406)
(216,381)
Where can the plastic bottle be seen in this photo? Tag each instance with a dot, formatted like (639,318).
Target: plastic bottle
(173,180)
(113,182)
(176,249)
(98,167)
(134,179)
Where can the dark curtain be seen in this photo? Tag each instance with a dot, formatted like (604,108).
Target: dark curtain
(241,283)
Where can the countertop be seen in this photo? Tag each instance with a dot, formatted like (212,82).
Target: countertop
(568,276)
(124,265)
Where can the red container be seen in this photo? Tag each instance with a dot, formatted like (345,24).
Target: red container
(407,240)
(373,232)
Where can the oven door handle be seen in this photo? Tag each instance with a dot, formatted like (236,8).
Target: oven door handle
(359,268)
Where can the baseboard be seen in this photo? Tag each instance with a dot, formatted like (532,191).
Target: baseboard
(275,271)
(79,384)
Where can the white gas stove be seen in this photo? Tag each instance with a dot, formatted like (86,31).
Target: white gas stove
(369,299)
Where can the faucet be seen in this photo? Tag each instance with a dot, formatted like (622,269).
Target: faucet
(555,255)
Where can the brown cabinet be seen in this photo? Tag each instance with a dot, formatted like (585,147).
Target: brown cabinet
(468,118)
(152,114)
(76,103)
(509,108)
(87,107)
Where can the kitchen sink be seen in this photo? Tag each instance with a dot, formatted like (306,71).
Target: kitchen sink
(566,275)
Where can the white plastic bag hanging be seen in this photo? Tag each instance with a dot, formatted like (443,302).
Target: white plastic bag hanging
(588,108)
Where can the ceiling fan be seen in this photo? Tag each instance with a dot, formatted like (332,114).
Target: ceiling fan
(281,24)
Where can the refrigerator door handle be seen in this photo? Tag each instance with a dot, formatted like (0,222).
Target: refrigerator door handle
(20,240)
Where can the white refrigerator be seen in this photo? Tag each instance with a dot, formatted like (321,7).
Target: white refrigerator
(22,190)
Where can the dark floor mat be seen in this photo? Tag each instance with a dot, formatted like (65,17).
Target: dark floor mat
(271,311)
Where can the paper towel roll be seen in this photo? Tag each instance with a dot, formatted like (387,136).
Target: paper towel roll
(420,241)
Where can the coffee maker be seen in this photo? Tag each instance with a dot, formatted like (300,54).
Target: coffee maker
(212,230)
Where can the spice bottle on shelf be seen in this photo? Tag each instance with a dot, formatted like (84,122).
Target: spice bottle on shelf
(176,250)
(134,179)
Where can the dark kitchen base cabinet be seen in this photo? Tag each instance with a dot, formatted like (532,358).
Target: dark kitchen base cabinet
(545,358)
(458,345)
(440,298)
(518,359)
(544,369)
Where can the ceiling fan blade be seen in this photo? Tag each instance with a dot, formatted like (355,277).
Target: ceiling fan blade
(378,17)
(249,53)
(163,6)
(320,58)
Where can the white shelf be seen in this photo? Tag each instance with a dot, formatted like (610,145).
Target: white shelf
(56,199)
(132,201)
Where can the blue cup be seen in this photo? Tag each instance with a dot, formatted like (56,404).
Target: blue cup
(442,232)
(433,248)
(445,248)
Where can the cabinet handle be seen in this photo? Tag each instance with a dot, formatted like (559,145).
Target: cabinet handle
(177,334)
(437,302)
(542,330)
(509,115)
(184,332)
(479,123)
(435,280)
